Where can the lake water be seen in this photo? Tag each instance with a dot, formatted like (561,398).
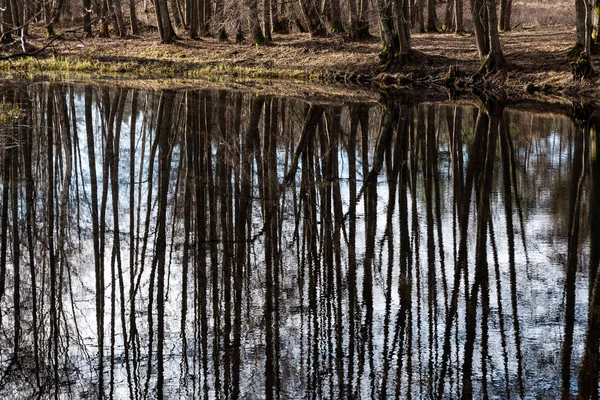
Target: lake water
(208,244)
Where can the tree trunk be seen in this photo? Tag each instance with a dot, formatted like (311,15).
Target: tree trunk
(6,20)
(421,15)
(483,47)
(495,59)
(597,24)
(310,9)
(120,27)
(87,19)
(134,20)
(165,28)
(207,16)
(449,16)
(580,24)
(396,39)
(192,8)
(431,16)
(588,372)
(220,14)
(267,27)
(258,37)
(177,15)
(336,25)
(588,28)
(353,19)
(458,16)
(363,20)
(505,10)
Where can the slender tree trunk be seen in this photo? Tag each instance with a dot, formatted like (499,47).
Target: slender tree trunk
(495,59)
(353,19)
(431,16)
(133,17)
(363,20)
(421,15)
(588,28)
(120,26)
(6,20)
(177,16)
(267,27)
(505,11)
(449,16)
(580,23)
(588,372)
(87,19)
(192,8)
(458,16)
(206,17)
(164,126)
(483,48)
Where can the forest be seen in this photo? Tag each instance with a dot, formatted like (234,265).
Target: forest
(449,43)
(299,199)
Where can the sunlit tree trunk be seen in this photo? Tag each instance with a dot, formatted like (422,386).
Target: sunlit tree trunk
(485,25)
(395,36)
(495,59)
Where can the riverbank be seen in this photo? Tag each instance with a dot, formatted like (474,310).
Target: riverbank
(537,57)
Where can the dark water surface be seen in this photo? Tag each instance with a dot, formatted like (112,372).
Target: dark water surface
(216,244)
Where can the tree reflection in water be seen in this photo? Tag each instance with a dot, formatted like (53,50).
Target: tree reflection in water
(213,244)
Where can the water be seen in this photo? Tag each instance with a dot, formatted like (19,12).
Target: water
(220,244)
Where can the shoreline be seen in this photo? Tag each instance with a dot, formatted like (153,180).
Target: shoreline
(538,64)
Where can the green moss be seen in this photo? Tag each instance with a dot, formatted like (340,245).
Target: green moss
(575,51)
(484,65)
